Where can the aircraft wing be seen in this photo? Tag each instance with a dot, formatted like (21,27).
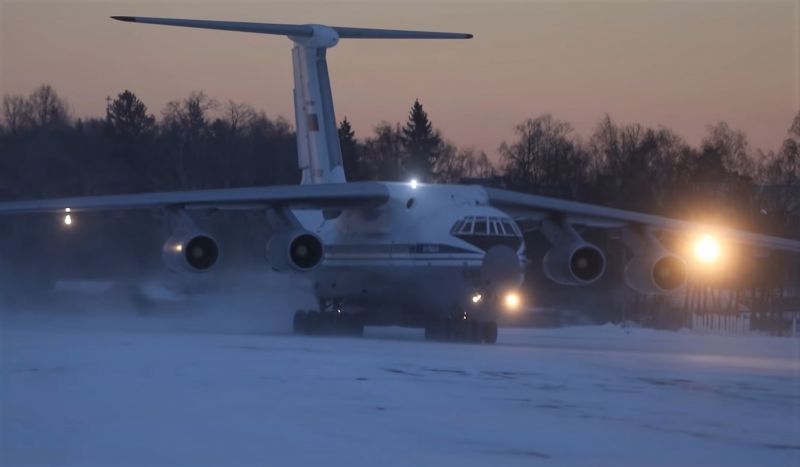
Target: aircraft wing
(537,208)
(324,196)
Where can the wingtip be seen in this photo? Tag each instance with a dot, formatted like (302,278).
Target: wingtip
(129,19)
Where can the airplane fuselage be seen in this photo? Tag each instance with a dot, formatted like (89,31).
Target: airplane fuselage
(426,251)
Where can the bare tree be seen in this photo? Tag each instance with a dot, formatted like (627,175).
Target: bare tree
(545,158)
(189,117)
(638,167)
(731,146)
(47,107)
(455,164)
(186,126)
(239,116)
(17,113)
(780,179)
(385,153)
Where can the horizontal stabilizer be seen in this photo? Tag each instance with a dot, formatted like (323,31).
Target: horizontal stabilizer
(366,33)
(296,30)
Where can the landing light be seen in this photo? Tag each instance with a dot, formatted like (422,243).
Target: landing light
(511,300)
(67,220)
(707,249)
(477,298)
(413,183)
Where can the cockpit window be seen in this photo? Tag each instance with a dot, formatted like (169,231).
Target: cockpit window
(486,232)
(490,226)
(467,227)
(508,228)
(480,225)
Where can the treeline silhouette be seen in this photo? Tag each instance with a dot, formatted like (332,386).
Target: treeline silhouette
(198,142)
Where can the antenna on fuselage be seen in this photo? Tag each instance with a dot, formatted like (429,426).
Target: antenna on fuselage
(318,152)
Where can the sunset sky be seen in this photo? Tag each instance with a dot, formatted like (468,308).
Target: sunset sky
(678,64)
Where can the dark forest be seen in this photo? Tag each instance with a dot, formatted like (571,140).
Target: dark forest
(199,142)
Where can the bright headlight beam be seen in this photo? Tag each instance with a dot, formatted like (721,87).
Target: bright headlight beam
(68,217)
(413,183)
(477,298)
(511,300)
(707,249)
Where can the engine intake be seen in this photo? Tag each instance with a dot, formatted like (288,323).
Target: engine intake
(300,250)
(656,274)
(194,252)
(576,263)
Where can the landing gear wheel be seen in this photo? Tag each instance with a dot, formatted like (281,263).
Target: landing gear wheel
(327,323)
(489,332)
(356,327)
(448,329)
(300,322)
(474,331)
(435,329)
(314,323)
(458,329)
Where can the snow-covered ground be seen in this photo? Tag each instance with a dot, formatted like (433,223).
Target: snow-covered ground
(135,391)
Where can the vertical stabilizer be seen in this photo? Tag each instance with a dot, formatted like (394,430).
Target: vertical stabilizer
(319,155)
(318,151)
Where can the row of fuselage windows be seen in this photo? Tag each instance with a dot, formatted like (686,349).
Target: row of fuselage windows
(479,225)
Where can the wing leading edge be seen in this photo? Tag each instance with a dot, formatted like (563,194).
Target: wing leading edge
(541,207)
(324,196)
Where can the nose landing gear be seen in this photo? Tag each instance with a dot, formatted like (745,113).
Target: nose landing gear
(331,323)
(460,328)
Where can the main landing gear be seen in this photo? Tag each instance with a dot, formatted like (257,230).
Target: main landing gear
(461,329)
(330,323)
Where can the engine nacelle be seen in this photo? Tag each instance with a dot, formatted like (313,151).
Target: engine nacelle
(190,252)
(574,263)
(661,273)
(300,250)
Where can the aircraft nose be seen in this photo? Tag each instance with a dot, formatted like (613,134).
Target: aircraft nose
(501,267)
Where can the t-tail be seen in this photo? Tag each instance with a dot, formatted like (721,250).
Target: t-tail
(318,152)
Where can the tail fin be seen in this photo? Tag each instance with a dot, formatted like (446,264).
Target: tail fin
(318,151)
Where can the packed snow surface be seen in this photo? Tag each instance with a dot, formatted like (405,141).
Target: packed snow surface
(138,392)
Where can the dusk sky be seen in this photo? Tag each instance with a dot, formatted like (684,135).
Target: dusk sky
(681,65)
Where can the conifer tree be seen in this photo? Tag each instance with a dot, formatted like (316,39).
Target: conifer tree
(127,116)
(422,144)
(351,151)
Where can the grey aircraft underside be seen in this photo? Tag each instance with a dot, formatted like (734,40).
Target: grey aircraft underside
(443,257)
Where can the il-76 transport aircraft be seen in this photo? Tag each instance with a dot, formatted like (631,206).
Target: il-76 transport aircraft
(442,257)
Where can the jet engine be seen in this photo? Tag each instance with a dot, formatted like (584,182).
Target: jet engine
(300,250)
(574,263)
(661,273)
(190,252)
(653,269)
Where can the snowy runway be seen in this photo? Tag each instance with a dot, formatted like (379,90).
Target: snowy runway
(573,396)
